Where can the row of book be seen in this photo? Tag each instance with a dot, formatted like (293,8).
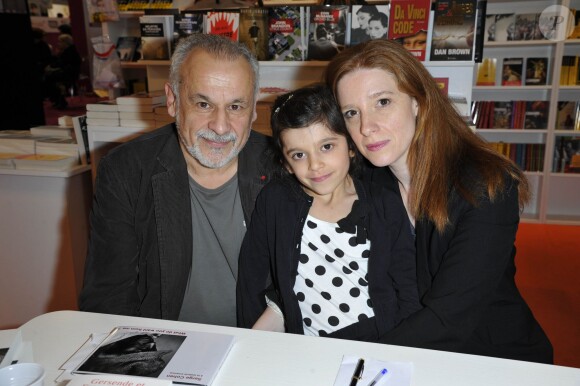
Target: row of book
(502,27)
(518,71)
(570,71)
(47,147)
(528,156)
(527,115)
(145,110)
(297,33)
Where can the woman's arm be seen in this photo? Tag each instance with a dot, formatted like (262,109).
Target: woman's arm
(459,273)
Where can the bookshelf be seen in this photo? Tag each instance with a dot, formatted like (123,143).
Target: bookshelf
(555,194)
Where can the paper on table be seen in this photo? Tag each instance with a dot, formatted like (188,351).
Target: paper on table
(399,373)
(84,351)
(103,379)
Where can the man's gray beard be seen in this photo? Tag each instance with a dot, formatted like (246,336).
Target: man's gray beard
(211,162)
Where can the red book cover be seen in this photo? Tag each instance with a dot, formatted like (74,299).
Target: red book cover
(409,23)
(225,23)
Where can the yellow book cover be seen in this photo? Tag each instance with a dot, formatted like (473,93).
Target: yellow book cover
(573,72)
(486,72)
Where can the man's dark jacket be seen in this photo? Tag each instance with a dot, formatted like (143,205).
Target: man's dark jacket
(140,248)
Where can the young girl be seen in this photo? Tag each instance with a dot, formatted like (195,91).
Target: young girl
(334,256)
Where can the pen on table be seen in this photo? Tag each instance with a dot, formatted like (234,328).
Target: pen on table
(358,371)
(378,377)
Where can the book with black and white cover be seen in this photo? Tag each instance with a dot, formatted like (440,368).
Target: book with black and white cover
(326,31)
(156,36)
(364,18)
(189,357)
(500,27)
(143,98)
(82,138)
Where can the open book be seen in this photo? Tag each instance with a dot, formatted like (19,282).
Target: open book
(187,357)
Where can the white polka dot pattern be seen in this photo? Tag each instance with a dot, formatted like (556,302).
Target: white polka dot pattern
(331,285)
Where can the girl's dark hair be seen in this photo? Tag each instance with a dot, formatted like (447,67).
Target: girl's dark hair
(304,107)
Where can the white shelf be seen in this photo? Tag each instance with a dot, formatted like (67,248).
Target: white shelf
(555,195)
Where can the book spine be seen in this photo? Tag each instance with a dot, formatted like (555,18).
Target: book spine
(479,30)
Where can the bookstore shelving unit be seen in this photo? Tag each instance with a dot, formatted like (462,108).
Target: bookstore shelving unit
(556,195)
(286,75)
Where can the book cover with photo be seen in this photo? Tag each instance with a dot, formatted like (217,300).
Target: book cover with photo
(536,71)
(409,25)
(187,23)
(187,357)
(254,31)
(536,116)
(368,22)
(156,36)
(128,48)
(453,30)
(512,71)
(327,31)
(527,27)
(502,115)
(567,115)
(224,23)
(287,33)
(500,27)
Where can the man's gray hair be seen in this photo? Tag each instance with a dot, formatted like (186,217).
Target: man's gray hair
(215,45)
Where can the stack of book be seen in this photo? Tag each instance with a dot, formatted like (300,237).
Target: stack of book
(20,149)
(138,110)
(103,113)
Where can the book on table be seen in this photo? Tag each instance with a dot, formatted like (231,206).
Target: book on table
(188,357)
(48,162)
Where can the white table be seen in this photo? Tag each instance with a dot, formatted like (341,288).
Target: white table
(275,359)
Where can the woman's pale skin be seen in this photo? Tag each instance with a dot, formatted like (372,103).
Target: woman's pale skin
(320,161)
(381,120)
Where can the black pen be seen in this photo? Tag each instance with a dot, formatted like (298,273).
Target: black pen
(358,371)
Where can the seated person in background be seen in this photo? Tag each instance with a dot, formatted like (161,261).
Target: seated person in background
(63,72)
(171,207)
(340,252)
